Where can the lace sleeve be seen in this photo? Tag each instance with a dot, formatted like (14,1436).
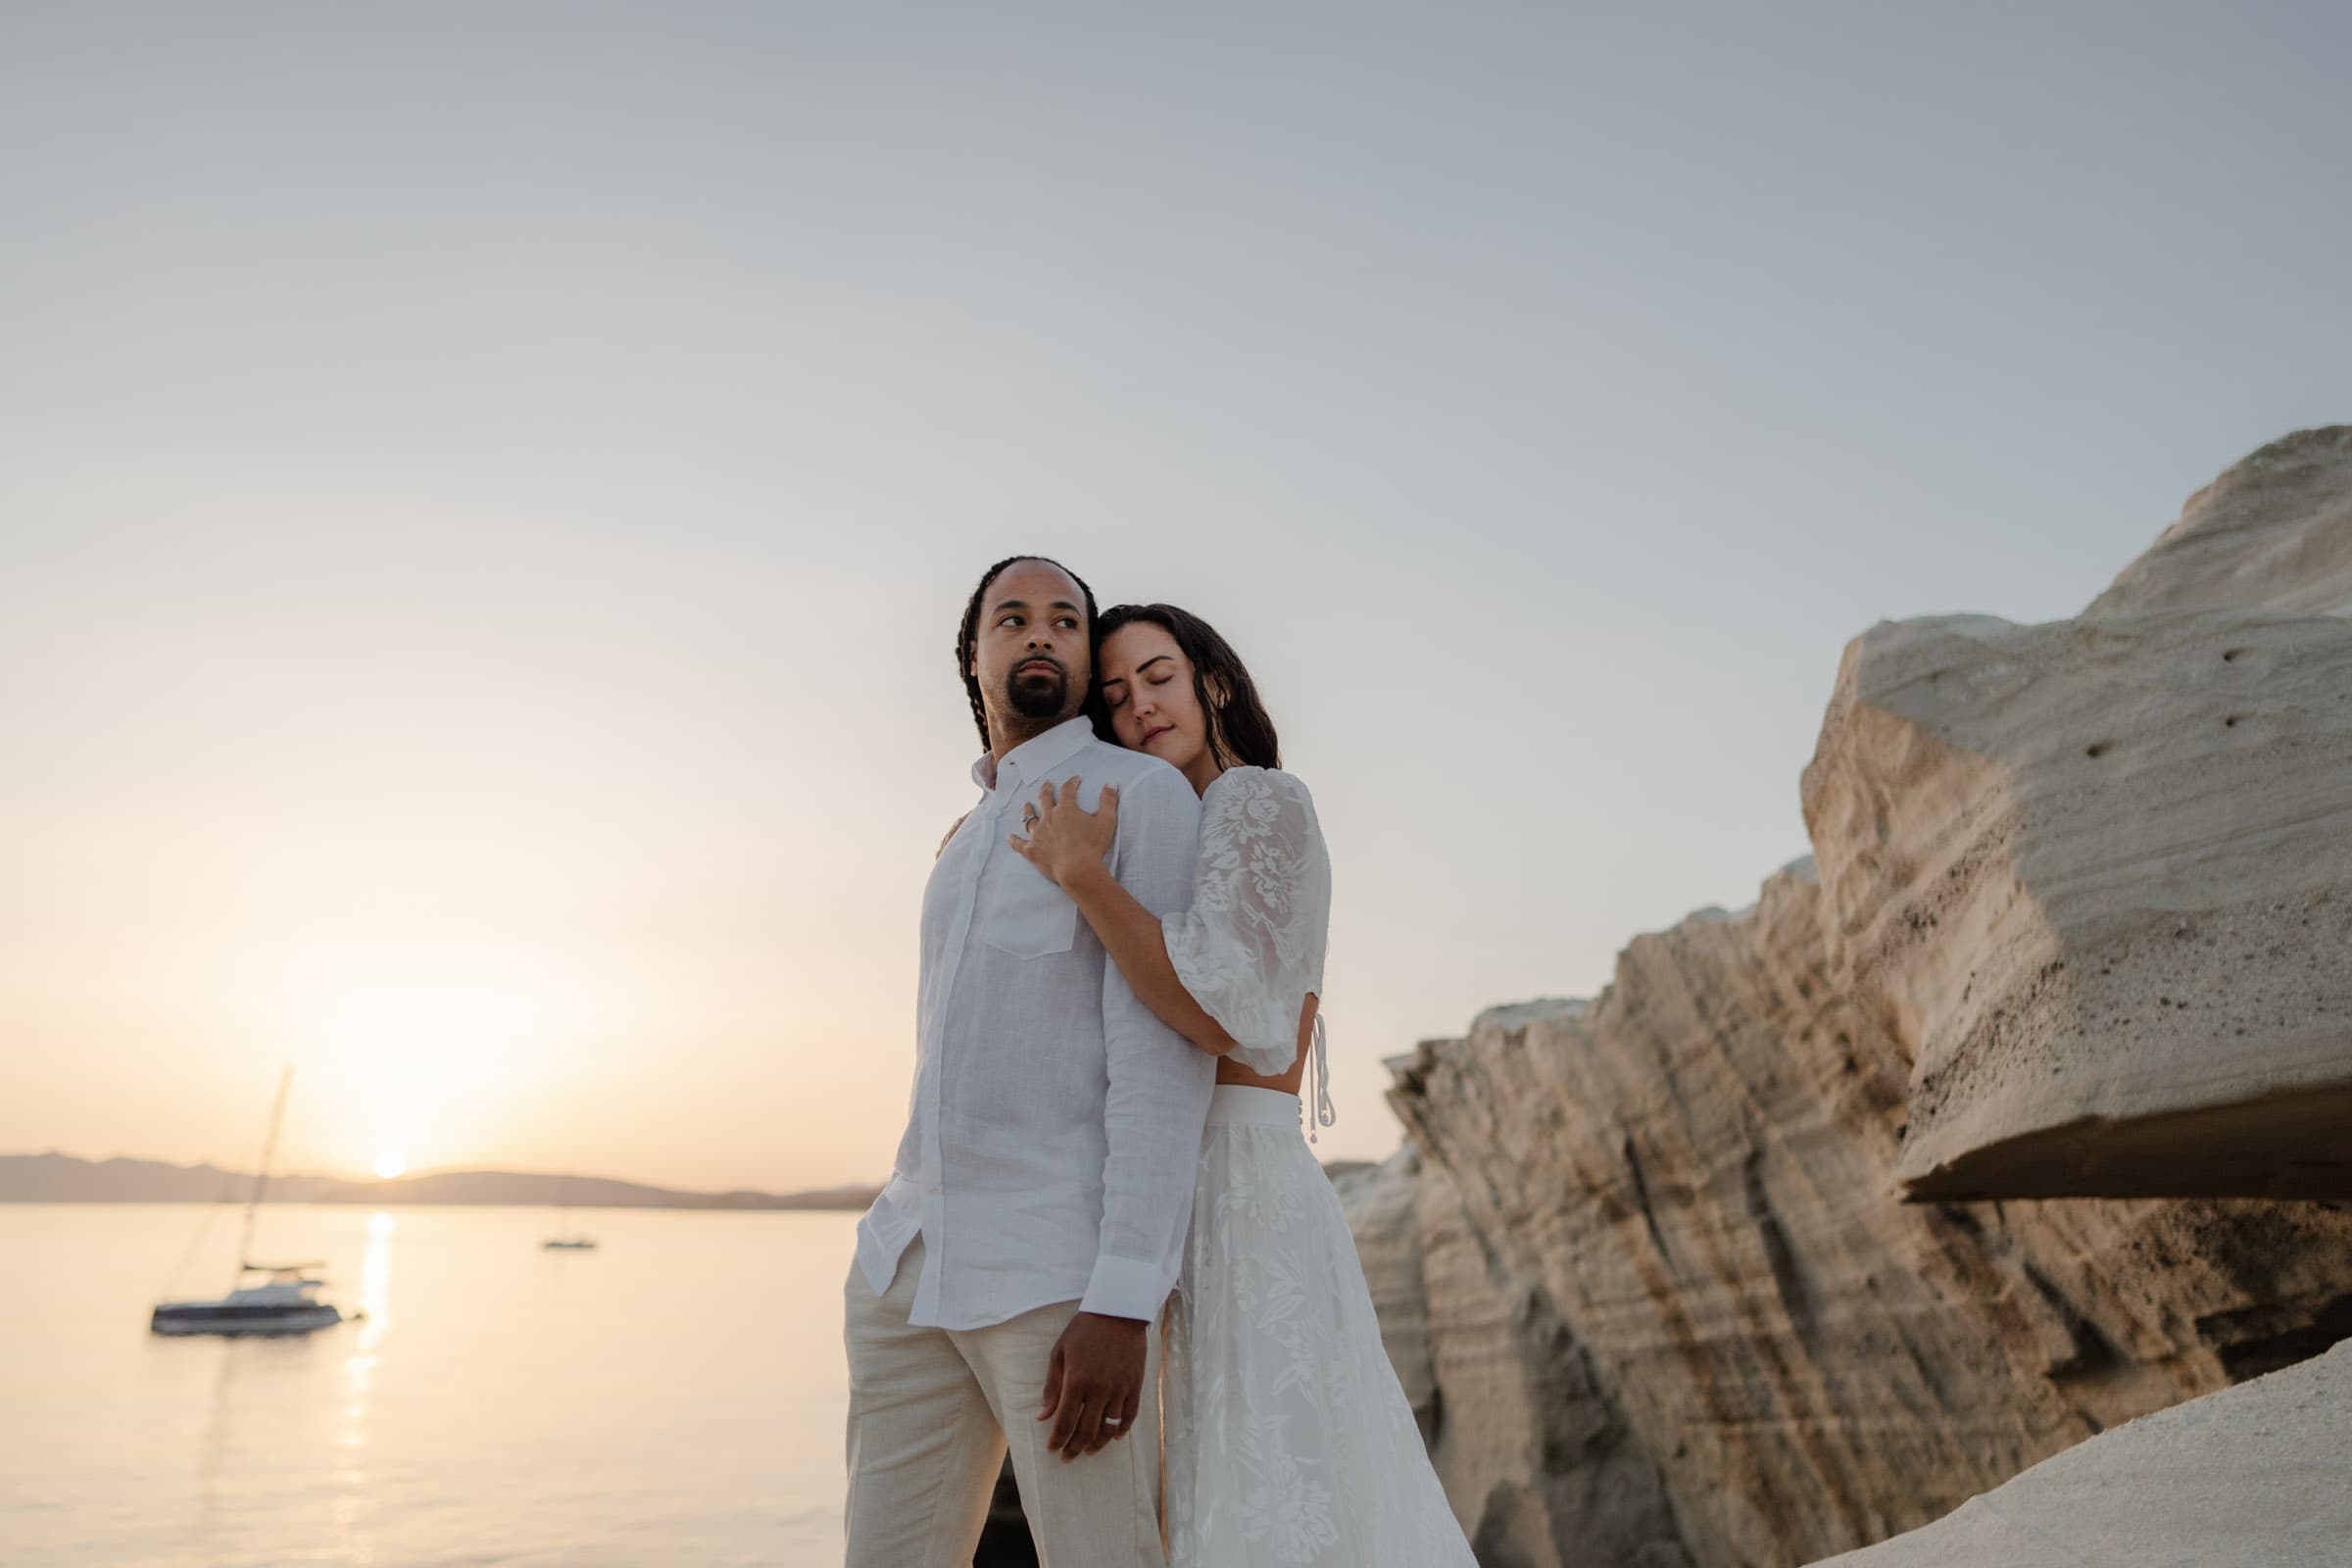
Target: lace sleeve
(1250,948)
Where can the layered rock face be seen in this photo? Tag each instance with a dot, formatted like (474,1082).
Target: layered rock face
(1646,1270)
(1518,1417)
(1660,1243)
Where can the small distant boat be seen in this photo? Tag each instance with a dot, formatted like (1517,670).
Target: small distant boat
(285,1302)
(576,1242)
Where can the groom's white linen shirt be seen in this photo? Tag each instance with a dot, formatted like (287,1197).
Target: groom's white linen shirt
(1056,1122)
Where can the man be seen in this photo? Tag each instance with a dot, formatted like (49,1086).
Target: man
(1007,1279)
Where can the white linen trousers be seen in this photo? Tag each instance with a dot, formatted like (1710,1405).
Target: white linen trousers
(931,1410)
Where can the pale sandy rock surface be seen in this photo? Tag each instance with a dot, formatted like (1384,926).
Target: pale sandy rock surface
(2095,877)
(1529,1440)
(1511,1014)
(1514,1387)
(2273,532)
(1660,1242)
(2258,1476)
(2079,920)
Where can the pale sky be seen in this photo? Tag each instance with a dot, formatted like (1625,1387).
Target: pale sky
(486,491)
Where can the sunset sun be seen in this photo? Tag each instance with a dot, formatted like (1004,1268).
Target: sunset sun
(421,1056)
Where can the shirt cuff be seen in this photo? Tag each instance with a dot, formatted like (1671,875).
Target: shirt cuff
(1124,1286)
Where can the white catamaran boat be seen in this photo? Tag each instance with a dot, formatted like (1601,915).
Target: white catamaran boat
(286,1301)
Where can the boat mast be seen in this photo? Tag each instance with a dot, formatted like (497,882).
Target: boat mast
(260,1177)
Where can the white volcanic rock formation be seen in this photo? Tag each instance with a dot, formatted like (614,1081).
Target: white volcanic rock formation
(2095,877)
(1653,1290)
(2253,1477)
(1674,1312)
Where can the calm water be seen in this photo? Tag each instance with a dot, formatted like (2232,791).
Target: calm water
(676,1398)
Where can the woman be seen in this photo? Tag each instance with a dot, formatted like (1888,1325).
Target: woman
(1289,1441)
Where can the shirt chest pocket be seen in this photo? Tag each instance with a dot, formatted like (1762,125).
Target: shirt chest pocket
(1024,913)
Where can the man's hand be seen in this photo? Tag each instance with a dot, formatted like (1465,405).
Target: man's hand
(1094,1383)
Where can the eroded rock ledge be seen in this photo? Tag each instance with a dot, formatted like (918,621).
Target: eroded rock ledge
(2095,877)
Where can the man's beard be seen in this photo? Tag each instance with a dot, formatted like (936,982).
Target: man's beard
(1035,694)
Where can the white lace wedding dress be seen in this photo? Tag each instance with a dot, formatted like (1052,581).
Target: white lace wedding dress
(1289,1441)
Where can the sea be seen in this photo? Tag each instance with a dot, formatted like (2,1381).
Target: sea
(674,1396)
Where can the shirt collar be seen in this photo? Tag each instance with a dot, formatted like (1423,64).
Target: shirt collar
(1035,758)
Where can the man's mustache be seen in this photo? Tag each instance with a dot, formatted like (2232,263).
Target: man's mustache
(1041,659)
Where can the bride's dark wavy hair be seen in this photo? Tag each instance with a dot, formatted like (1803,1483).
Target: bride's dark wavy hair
(1240,730)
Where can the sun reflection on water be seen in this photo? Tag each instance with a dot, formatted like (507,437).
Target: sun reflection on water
(359,1380)
(375,1277)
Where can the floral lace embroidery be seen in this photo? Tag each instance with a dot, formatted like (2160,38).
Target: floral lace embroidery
(1250,948)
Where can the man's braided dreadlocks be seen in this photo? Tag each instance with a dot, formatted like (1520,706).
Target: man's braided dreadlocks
(970,633)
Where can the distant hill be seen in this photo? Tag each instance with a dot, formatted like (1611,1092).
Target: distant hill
(59,1178)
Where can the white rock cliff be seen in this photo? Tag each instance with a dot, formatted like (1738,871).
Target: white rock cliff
(1646,1268)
